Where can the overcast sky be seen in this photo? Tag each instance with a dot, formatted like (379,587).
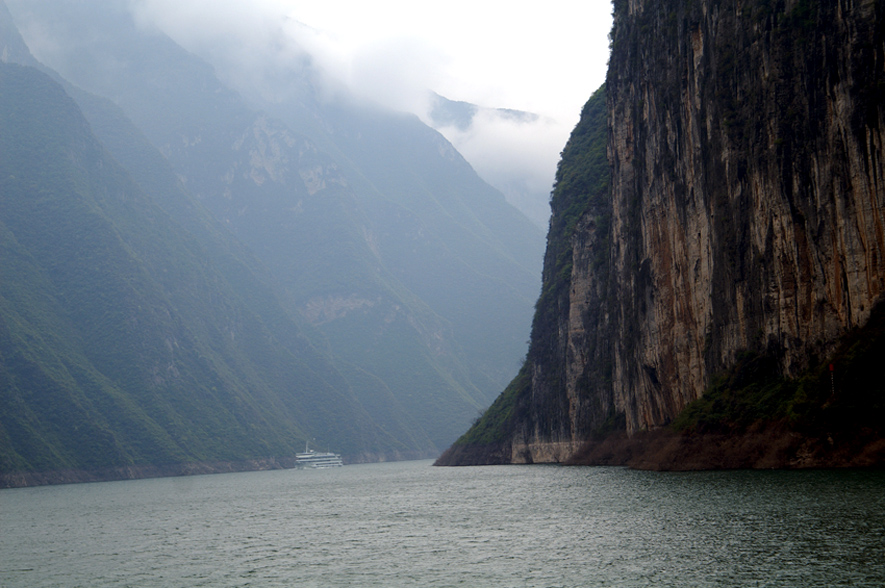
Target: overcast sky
(542,57)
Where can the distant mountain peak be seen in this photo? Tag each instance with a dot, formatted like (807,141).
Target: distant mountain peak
(459,114)
(12,47)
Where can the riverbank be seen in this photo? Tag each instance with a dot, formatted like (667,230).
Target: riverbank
(772,446)
(138,472)
(768,446)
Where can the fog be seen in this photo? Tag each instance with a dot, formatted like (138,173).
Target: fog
(516,156)
(396,55)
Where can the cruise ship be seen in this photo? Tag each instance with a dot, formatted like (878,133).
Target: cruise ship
(312,459)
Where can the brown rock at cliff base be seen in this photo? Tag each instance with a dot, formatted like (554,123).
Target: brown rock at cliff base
(772,446)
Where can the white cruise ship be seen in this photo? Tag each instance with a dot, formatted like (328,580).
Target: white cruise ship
(312,459)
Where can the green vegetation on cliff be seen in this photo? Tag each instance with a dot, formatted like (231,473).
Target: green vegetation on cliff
(838,398)
(581,191)
(496,422)
(582,186)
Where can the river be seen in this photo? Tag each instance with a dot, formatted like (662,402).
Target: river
(411,524)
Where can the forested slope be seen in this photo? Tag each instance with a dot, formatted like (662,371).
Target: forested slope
(124,341)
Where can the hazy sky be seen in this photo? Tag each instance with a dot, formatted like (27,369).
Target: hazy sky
(546,58)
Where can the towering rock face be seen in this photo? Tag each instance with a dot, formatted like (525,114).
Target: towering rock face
(745,214)
(748,203)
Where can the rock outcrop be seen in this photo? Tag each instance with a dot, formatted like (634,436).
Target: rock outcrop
(745,214)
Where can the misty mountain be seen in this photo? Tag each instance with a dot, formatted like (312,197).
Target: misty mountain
(464,123)
(126,341)
(460,114)
(399,261)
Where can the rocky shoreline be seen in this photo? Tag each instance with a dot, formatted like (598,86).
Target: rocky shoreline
(772,446)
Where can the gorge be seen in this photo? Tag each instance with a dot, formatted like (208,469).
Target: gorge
(195,279)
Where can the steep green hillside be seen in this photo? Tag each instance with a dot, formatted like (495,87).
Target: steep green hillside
(581,192)
(446,235)
(123,340)
(242,270)
(416,272)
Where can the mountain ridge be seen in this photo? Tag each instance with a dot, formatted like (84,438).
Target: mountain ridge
(341,338)
(119,312)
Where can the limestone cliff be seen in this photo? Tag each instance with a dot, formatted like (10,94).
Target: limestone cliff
(745,214)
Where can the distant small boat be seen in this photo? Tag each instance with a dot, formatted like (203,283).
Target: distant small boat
(312,459)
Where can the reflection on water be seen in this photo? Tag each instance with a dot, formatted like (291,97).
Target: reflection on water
(410,524)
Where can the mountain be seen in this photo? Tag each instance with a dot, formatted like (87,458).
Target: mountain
(128,346)
(713,281)
(466,125)
(409,276)
(461,115)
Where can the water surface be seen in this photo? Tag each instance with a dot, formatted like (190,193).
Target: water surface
(410,524)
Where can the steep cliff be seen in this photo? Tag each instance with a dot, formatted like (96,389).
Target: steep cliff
(563,394)
(744,218)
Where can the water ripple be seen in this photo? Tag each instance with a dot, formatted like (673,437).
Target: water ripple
(408,524)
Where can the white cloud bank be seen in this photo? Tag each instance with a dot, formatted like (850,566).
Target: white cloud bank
(546,58)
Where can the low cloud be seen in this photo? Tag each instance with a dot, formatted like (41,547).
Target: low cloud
(252,45)
(397,73)
(260,50)
(515,155)
(267,55)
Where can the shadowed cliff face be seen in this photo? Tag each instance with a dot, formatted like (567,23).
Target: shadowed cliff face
(747,188)
(745,213)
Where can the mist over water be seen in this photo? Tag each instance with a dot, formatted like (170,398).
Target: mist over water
(410,524)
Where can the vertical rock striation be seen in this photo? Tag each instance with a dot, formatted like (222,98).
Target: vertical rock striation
(746,152)
(745,212)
